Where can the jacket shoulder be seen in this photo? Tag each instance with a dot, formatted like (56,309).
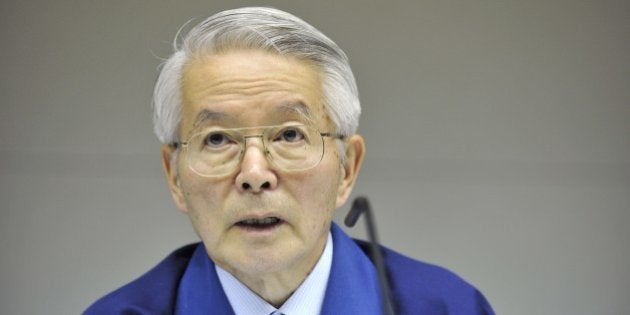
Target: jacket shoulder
(152,293)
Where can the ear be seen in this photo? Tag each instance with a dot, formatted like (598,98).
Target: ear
(169,165)
(355,151)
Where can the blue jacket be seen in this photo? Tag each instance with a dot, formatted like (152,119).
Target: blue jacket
(417,287)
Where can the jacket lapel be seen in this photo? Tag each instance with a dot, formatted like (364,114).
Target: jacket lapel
(200,289)
(353,282)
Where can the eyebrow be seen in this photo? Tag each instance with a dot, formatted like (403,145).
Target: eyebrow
(290,108)
(210,115)
(293,108)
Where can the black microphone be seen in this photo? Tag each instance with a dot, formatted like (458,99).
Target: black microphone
(361,205)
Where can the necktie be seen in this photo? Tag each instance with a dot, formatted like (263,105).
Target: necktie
(276,313)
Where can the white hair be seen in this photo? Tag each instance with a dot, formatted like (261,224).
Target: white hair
(260,28)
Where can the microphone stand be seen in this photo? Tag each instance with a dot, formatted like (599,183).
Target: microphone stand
(361,205)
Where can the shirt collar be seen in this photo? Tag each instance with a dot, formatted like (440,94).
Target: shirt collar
(306,300)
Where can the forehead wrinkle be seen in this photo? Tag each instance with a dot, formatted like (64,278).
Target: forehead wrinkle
(248,72)
(244,77)
(198,86)
(251,86)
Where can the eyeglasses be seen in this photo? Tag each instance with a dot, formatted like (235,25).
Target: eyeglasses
(218,152)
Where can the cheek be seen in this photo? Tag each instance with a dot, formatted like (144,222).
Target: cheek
(204,213)
(203,198)
(319,194)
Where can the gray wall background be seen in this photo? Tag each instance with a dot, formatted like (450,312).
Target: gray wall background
(498,140)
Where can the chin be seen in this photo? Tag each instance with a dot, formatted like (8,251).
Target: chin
(255,265)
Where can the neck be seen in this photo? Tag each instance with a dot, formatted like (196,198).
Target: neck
(276,287)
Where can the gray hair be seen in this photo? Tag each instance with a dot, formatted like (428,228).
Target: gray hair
(260,28)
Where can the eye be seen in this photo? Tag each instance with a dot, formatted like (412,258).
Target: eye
(216,140)
(290,134)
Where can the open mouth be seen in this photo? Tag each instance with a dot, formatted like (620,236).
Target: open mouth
(260,224)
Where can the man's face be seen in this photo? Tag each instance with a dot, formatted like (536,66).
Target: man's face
(250,88)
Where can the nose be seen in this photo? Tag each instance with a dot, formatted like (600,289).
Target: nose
(255,174)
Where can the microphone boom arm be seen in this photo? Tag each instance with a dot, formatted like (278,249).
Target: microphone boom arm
(361,205)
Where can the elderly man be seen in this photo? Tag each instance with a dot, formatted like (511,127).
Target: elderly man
(257,112)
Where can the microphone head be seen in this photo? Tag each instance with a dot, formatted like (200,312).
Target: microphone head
(359,205)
